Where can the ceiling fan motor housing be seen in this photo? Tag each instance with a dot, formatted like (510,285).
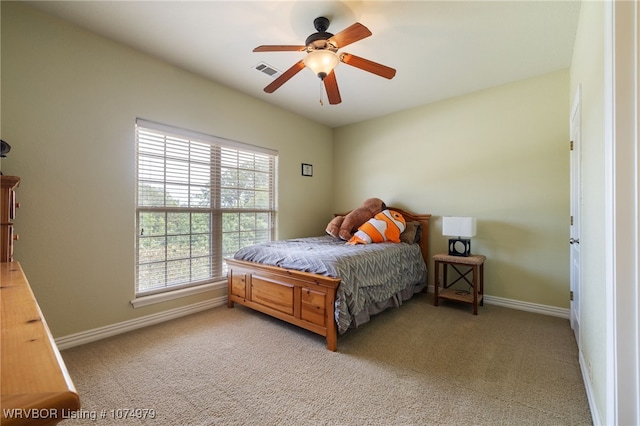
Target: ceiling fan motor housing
(319,40)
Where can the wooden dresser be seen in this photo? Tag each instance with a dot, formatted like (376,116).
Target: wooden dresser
(36,388)
(7,214)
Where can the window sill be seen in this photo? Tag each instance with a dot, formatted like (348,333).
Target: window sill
(176,294)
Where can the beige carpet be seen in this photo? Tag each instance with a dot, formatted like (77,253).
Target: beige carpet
(417,365)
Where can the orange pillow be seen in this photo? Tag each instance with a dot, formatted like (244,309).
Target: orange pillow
(385,226)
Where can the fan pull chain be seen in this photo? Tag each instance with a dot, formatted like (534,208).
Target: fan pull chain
(321,103)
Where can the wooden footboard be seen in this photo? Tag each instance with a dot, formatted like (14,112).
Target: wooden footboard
(300,298)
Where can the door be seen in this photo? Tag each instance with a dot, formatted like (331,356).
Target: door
(576,200)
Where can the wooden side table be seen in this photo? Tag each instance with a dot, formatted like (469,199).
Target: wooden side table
(476,266)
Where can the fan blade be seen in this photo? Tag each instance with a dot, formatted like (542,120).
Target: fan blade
(367,65)
(295,69)
(350,35)
(278,48)
(331,85)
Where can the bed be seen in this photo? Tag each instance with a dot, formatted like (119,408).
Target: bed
(326,286)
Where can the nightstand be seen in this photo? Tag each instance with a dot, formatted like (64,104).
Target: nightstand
(473,264)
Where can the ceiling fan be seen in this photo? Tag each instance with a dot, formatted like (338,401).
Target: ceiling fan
(322,57)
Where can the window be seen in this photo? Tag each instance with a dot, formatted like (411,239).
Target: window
(199,199)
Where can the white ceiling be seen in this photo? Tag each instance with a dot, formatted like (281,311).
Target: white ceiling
(440,49)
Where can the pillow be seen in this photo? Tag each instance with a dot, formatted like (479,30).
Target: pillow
(412,233)
(385,226)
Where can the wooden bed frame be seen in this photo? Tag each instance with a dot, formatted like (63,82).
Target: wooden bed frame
(300,298)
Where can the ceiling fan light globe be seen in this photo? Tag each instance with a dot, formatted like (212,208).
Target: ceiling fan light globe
(321,62)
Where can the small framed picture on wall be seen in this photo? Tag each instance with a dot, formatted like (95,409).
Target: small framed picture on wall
(307,169)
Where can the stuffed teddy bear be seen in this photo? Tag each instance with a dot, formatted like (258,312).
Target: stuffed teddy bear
(385,226)
(343,227)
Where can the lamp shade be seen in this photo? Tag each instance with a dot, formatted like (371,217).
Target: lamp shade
(321,62)
(459,226)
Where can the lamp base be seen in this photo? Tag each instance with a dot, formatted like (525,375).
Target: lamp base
(459,247)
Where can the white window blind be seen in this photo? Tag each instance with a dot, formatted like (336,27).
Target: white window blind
(199,199)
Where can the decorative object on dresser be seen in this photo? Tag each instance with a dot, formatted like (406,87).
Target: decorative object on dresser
(326,294)
(474,264)
(8,207)
(463,228)
(4,148)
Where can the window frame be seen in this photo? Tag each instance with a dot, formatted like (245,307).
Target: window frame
(217,236)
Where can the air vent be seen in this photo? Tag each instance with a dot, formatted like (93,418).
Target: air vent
(267,69)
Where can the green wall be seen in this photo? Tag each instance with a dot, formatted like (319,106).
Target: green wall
(500,155)
(69,104)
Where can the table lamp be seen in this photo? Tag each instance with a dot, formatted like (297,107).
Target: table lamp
(463,228)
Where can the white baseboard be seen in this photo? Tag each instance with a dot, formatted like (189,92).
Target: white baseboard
(88,336)
(529,307)
(589,390)
(523,306)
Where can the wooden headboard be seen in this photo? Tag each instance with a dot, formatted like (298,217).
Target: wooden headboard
(424,237)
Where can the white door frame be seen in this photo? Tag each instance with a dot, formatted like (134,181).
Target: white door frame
(622,53)
(575,132)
